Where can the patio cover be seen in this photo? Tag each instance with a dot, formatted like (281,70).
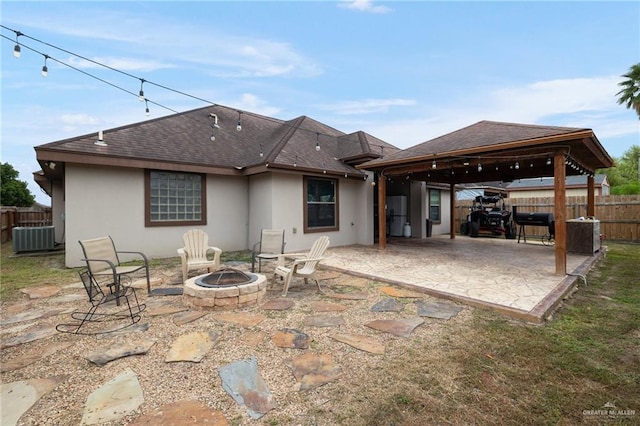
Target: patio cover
(497,151)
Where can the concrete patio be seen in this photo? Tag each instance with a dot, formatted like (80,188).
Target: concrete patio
(515,279)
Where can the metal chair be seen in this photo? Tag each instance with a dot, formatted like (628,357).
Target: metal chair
(270,247)
(104,307)
(103,261)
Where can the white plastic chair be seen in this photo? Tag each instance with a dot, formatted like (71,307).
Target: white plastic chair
(304,267)
(195,253)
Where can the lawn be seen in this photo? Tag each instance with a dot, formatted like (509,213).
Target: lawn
(583,366)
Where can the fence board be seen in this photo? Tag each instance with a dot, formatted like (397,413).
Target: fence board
(13,217)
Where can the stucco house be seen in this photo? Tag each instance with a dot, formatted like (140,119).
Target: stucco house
(229,172)
(543,187)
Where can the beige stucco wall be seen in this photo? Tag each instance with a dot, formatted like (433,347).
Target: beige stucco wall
(57,210)
(110,201)
(107,201)
(276,202)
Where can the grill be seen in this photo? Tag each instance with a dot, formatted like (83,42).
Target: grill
(227,277)
(523,219)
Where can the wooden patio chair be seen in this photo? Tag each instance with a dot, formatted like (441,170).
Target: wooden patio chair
(270,247)
(104,307)
(195,253)
(103,261)
(304,267)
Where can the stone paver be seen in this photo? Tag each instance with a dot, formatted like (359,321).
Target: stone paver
(361,342)
(401,292)
(243,319)
(323,306)
(18,397)
(291,338)
(185,317)
(313,370)
(105,355)
(41,292)
(437,310)
(278,304)
(114,400)
(185,412)
(397,327)
(192,347)
(41,332)
(243,382)
(388,304)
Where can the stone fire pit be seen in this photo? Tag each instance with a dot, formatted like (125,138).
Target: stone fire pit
(227,289)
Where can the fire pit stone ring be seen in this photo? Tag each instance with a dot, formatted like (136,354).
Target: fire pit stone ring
(226,289)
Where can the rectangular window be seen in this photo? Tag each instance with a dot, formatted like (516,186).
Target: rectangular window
(434,205)
(320,204)
(174,199)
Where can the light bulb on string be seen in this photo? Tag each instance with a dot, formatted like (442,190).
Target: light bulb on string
(479,167)
(295,162)
(45,70)
(517,166)
(261,153)
(239,125)
(141,94)
(549,161)
(16,49)
(433,165)
(146,104)
(317,141)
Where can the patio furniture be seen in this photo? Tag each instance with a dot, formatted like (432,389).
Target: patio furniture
(304,267)
(102,308)
(270,247)
(103,261)
(194,254)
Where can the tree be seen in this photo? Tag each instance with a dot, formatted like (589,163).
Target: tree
(14,192)
(625,177)
(630,93)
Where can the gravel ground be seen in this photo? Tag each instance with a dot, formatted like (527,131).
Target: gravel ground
(162,383)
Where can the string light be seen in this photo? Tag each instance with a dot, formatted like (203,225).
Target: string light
(295,162)
(261,153)
(16,49)
(146,110)
(141,94)
(517,165)
(433,165)
(549,161)
(479,167)
(45,70)
(239,125)
(317,141)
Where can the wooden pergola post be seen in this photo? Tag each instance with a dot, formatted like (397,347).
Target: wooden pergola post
(560,212)
(591,196)
(452,210)
(382,211)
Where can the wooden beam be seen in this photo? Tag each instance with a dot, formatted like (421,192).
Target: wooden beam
(452,211)
(591,196)
(560,212)
(382,212)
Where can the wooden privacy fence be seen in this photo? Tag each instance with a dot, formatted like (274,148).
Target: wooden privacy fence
(619,215)
(13,217)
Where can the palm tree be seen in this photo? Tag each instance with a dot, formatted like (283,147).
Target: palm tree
(630,94)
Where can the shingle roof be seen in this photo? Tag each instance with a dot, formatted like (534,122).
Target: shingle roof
(481,134)
(184,139)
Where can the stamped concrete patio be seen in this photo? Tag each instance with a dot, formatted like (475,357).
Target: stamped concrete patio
(516,279)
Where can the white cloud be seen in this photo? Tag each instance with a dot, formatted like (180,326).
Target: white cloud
(365,106)
(121,63)
(580,102)
(363,6)
(74,122)
(254,104)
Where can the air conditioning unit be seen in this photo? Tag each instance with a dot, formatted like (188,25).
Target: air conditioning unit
(39,238)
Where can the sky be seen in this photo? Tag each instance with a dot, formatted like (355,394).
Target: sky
(403,71)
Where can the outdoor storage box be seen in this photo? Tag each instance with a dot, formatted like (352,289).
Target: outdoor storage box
(583,236)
